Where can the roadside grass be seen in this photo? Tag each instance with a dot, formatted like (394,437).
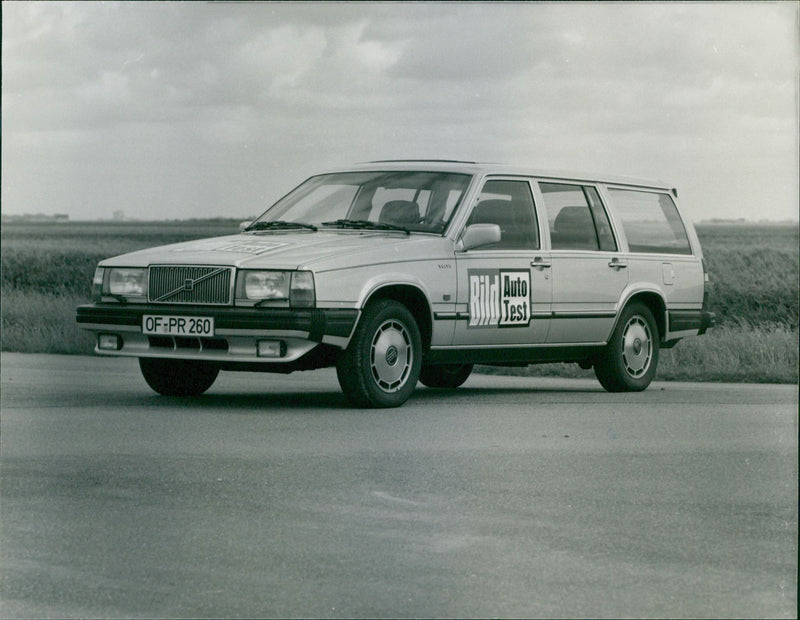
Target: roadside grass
(49,273)
(760,284)
(729,353)
(35,322)
(754,272)
(46,272)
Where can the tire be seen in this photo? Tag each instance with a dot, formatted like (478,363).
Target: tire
(177,377)
(381,365)
(629,360)
(447,376)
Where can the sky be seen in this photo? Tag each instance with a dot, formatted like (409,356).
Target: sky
(191,110)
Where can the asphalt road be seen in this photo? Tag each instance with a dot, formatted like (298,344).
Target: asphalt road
(269,497)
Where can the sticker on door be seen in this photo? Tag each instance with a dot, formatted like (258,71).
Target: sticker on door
(499,297)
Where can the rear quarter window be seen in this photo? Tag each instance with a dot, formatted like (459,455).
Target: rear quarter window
(651,222)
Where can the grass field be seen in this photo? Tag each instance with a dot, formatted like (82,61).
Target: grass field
(47,270)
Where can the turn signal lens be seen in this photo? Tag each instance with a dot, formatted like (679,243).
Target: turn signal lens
(97,284)
(302,293)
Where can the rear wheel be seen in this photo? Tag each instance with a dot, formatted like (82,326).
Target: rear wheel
(177,377)
(447,376)
(381,365)
(628,362)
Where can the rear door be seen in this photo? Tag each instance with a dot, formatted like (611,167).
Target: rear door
(589,273)
(504,288)
(660,252)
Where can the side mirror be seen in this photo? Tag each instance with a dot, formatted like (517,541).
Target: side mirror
(477,235)
(244,225)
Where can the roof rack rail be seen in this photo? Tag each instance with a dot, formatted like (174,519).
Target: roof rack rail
(445,161)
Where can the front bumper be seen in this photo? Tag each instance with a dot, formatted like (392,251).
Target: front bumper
(237,331)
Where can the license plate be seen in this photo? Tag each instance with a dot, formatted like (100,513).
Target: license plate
(177,325)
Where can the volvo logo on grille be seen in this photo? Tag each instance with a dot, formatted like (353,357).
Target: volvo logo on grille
(188,285)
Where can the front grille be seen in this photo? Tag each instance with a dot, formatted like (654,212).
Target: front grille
(184,284)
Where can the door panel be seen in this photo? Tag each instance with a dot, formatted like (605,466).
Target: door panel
(504,289)
(502,299)
(589,274)
(585,294)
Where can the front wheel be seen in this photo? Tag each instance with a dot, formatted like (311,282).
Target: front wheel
(628,362)
(177,377)
(447,376)
(381,365)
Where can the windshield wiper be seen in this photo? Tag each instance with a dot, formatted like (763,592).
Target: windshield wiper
(367,225)
(278,225)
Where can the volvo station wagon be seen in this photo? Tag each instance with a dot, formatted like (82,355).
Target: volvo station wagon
(399,272)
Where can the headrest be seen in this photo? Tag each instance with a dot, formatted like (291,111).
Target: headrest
(490,212)
(399,212)
(573,219)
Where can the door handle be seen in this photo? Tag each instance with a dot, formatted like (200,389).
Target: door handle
(617,264)
(540,263)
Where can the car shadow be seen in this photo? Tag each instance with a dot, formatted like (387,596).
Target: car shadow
(283,401)
(258,401)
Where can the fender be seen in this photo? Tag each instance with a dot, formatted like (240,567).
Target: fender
(383,280)
(374,285)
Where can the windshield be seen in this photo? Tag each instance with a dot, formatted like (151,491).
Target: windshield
(413,201)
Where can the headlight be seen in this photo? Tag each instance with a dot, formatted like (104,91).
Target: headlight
(296,287)
(127,282)
(266,285)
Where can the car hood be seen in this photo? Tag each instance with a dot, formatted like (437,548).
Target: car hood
(289,250)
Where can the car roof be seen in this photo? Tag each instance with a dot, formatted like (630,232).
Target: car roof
(485,169)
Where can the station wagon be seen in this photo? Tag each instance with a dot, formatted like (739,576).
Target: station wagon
(399,272)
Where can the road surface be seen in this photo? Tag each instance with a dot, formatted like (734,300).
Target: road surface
(270,497)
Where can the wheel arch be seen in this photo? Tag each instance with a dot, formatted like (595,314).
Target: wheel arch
(657,305)
(413,298)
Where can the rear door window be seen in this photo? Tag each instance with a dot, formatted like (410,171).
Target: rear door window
(577,218)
